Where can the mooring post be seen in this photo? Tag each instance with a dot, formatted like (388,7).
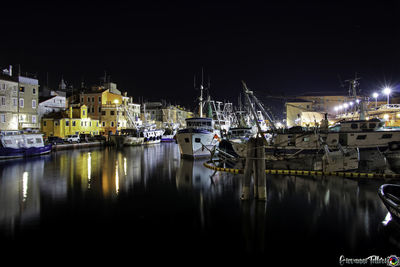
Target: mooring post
(260,179)
(248,169)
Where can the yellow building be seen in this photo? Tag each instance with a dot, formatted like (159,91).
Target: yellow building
(73,121)
(113,110)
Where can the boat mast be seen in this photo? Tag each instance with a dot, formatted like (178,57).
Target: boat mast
(201,99)
(248,93)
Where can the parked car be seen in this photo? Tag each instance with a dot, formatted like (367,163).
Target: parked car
(72,138)
(84,137)
(55,140)
(99,138)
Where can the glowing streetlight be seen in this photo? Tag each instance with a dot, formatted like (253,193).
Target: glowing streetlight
(375,95)
(387,92)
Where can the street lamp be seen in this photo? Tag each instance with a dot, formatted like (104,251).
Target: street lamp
(375,95)
(387,92)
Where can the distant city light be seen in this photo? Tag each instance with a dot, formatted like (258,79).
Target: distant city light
(375,95)
(386,117)
(387,91)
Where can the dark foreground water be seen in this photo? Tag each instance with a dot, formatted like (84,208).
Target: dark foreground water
(146,203)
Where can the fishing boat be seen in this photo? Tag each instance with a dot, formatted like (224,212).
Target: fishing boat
(15,144)
(390,196)
(144,135)
(169,132)
(239,135)
(200,137)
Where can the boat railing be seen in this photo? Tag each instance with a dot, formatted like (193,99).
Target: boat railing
(208,128)
(390,106)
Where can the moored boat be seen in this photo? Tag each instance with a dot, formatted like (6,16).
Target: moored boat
(198,139)
(16,144)
(141,136)
(390,196)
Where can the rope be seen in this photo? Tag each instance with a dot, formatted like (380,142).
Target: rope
(310,173)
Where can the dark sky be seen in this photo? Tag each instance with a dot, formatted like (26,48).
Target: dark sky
(153,49)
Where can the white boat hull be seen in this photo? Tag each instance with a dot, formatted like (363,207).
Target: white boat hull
(194,144)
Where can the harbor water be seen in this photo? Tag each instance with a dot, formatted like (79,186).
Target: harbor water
(145,202)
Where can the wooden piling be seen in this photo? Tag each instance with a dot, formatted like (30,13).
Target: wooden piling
(255,163)
(260,178)
(248,169)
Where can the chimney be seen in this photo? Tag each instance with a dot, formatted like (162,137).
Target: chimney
(10,70)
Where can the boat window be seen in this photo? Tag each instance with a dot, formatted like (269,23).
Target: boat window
(7,142)
(306,139)
(30,141)
(354,126)
(197,140)
(209,123)
(386,136)
(187,140)
(363,126)
(361,137)
(381,124)
(38,140)
(372,125)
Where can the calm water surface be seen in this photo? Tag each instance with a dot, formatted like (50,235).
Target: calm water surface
(146,202)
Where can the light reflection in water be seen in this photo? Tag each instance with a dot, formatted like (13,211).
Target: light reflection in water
(24,186)
(89,168)
(295,205)
(116,178)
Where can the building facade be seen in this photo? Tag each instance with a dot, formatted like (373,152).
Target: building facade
(163,114)
(74,120)
(51,104)
(114,111)
(8,103)
(28,99)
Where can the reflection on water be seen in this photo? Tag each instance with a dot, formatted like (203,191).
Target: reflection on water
(152,187)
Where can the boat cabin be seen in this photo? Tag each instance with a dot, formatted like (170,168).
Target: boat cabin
(200,123)
(358,126)
(17,140)
(242,132)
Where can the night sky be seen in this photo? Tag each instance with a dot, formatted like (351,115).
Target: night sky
(153,49)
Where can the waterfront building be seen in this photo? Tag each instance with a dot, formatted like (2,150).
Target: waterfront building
(74,120)
(8,102)
(114,110)
(28,100)
(49,104)
(162,113)
(309,110)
